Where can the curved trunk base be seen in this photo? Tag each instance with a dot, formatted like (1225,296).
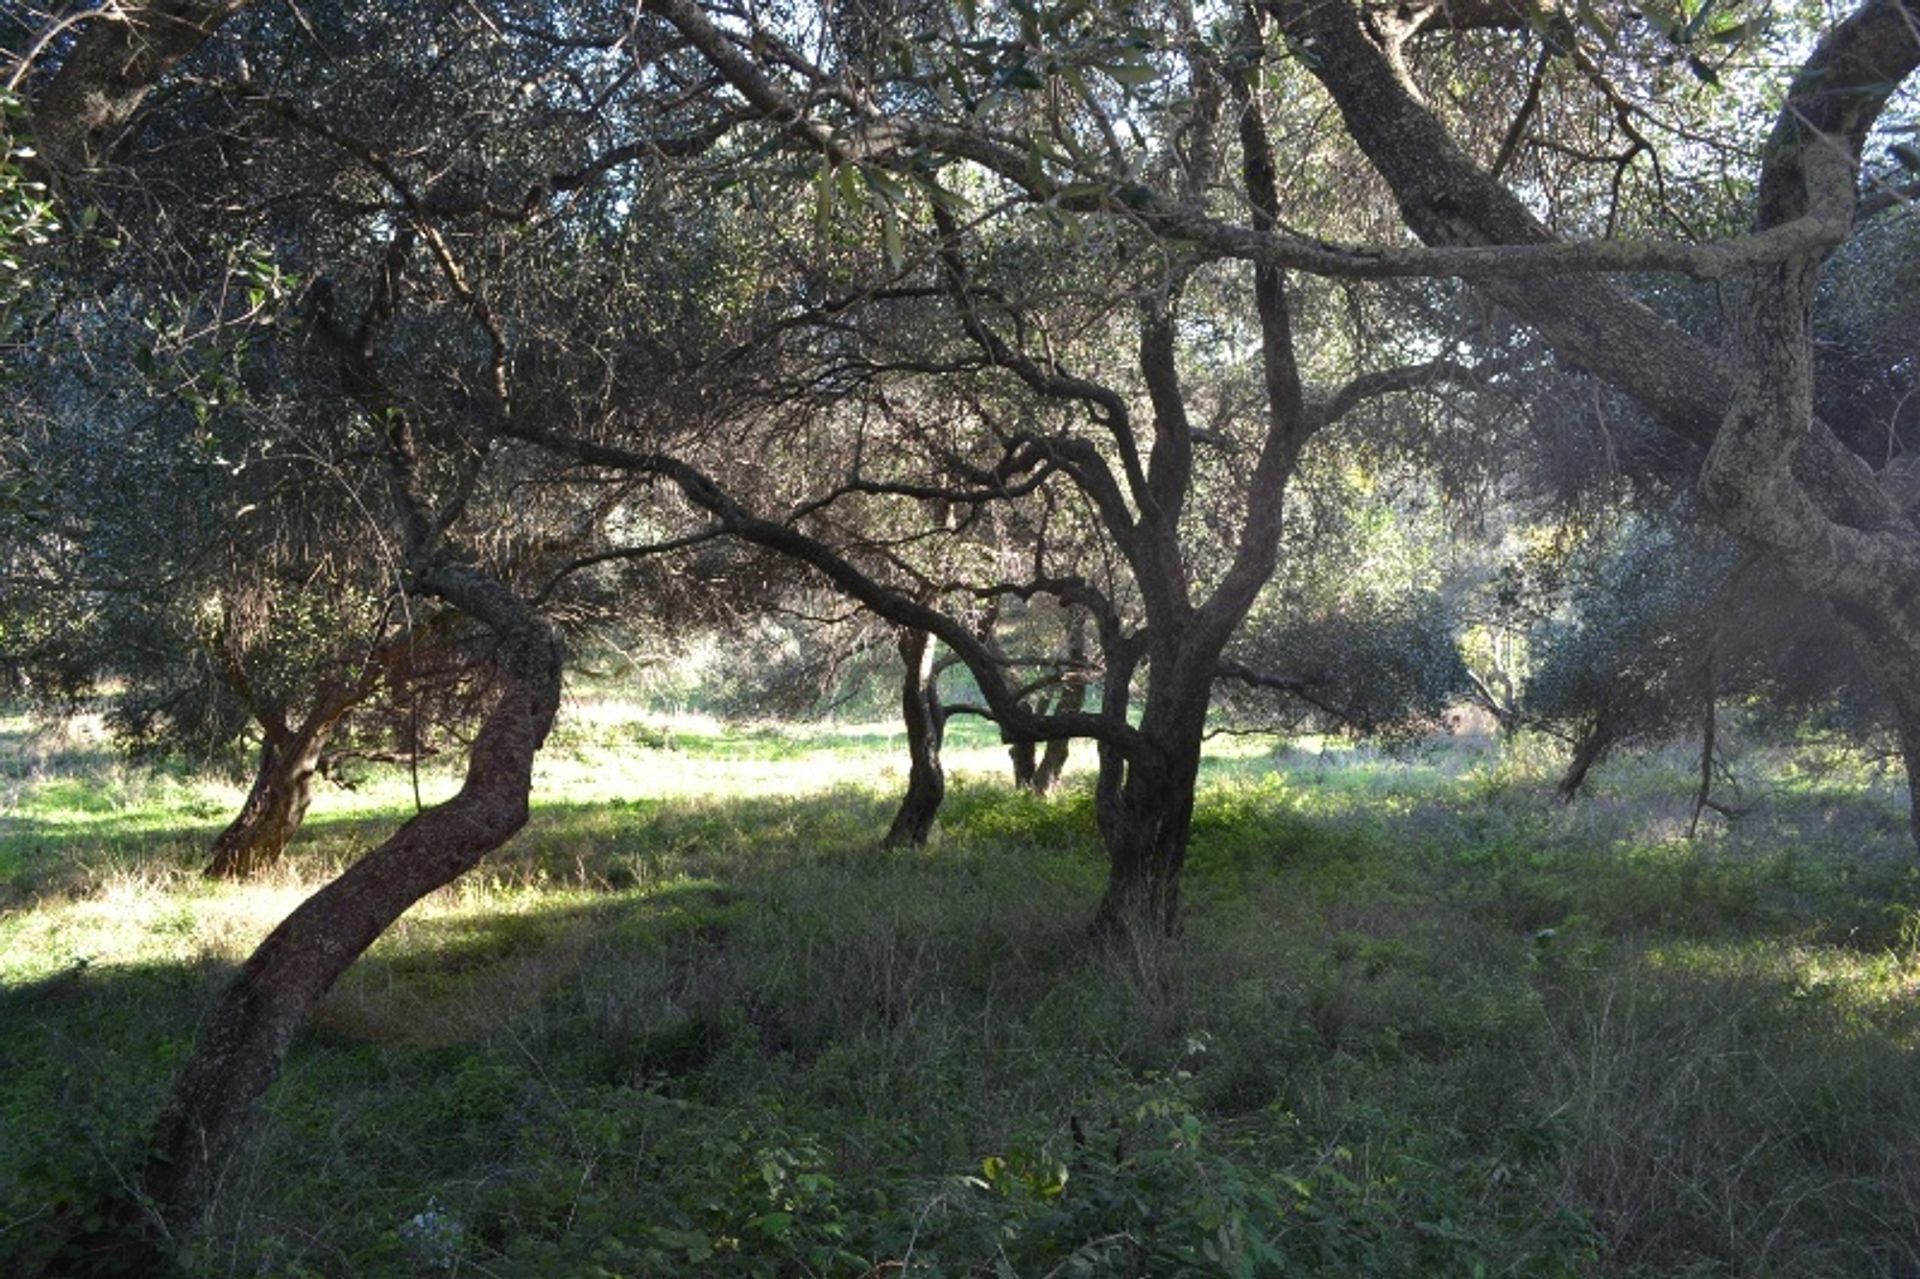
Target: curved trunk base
(1146,835)
(1587,752)
(216,1099)
(913,823)
(1053,762)
(276,806)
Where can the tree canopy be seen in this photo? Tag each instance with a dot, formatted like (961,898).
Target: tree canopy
(1036,331)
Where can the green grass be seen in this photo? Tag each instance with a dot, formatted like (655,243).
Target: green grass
(1421,1019)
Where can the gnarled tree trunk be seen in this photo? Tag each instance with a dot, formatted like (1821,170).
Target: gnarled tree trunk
(1072,701)
(283,783)
(1774,473)
(1147,848)
(276,804)
(1036,769)
(1147,812)
(1053,760)
(920,709)
(117,58)
(216,1099)
(1588,749)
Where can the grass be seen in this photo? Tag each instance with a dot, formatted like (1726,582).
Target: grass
(1421,1019)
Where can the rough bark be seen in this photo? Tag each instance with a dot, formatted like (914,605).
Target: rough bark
(1147,845)
(119,55)
(1773,472)
(1135,477)
(241,1049)
(1150,806)
(275,806)
(215,1102)
(1072,701)
(1053,760)
(1037,768)
(290,755)
(921,712)
(282,787)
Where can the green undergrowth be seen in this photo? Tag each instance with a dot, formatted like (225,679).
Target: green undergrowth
(1420,1019)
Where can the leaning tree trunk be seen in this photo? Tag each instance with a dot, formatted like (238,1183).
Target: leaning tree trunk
(1773,473)
(283,784)
(276,805)
(1588,749)
(241,1047)
(1053,762)
(1072,701)
(1039,770)
(117,58)
(920,709)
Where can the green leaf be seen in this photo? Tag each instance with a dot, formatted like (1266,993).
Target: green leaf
(1047,147)
(949,202)
(890,237)
(884,186)
(1037,170)
(1737,32)
(823,200)
(1132,74)
(853,191)
(1019,75)
(774,1225)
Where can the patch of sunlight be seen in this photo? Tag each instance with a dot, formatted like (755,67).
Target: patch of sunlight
(694,756)
(114,799)
(144,916)
(1876,989)
(140,918)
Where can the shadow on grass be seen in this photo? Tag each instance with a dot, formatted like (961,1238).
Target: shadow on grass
(89,1052)
(732,743)
(628,979)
